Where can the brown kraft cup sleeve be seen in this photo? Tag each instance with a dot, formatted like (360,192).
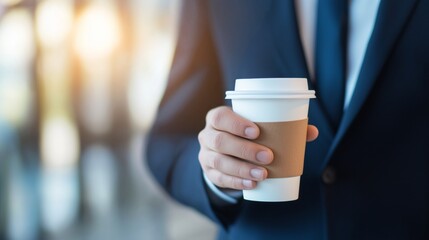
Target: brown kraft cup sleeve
(287,140)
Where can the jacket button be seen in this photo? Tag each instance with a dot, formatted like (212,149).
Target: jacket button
(328,175)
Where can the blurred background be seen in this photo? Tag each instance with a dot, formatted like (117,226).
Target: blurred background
(80,81)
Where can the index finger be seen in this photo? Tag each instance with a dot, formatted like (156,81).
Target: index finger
(224,119)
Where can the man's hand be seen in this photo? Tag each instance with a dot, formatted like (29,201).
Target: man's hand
(228,157)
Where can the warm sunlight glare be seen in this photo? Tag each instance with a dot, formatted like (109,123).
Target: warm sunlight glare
(54,20)
(97,31)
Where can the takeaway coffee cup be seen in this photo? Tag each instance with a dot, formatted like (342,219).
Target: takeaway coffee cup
(279,106)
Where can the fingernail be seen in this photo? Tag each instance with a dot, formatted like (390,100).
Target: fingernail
(247,183)
(263,157)
(257,173)
(250,132)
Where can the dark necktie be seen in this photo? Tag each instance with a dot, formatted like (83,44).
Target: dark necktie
(331,37)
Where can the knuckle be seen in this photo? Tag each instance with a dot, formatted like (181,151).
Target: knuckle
(218,139)
(201,157)
(203,162)
(242,172)
(201,137)
(214,116)
(219,180)
(236,125)
(237,183)
(246,152)
(216,161)
(209,116)
(211,175)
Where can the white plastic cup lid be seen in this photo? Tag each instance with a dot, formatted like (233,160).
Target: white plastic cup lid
(269,88)
(271,84)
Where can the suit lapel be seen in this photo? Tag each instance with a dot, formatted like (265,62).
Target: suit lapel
(287,44)
(286,38)
(391,18)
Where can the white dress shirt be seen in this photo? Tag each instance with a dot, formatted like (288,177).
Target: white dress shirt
(362,16)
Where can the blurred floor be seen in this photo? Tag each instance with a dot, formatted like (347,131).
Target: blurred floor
(142,212)
(149,214)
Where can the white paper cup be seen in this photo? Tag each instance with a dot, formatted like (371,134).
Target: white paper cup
(268,101)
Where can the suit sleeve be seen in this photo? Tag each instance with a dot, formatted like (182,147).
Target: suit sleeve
(194,87)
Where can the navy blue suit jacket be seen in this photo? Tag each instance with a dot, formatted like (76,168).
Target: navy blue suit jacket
(379,156)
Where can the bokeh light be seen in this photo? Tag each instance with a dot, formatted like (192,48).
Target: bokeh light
(99,180)
(16,53)
(14,89)
(59,199)
(98,31)
(59,143)
(54,21)
(16,38)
